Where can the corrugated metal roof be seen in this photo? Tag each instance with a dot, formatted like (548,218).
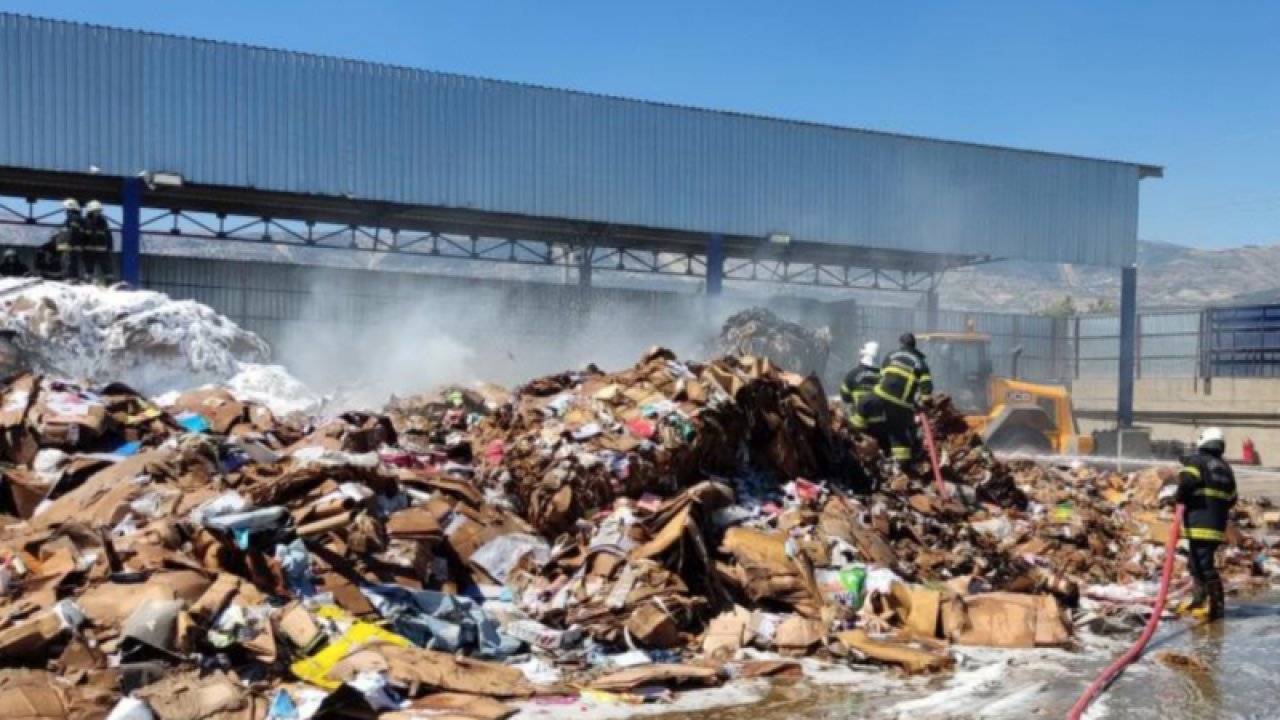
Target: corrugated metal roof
(239,116)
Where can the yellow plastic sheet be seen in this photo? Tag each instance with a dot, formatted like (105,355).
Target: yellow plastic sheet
(315,669)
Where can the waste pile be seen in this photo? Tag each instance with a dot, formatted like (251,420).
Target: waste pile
(145,339)
(572,443)
(758,332)
(589,538)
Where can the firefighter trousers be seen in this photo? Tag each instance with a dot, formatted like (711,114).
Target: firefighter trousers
(1202,564)
(900,428)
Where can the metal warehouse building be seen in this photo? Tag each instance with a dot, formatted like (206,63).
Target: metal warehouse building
(392,159)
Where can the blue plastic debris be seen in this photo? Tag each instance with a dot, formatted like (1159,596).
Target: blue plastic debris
(193,423)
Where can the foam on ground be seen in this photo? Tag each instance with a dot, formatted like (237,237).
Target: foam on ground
(733,694)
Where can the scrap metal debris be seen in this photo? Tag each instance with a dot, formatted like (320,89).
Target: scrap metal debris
(758,332)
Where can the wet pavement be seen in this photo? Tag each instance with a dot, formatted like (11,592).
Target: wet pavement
(1244,682)
(1244,654)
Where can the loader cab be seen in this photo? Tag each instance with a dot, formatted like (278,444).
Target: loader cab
(961,367)
(1012,414)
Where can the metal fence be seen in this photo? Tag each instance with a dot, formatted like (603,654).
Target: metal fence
(1243,341)
(1042,339)
(614,325)
(1169,344)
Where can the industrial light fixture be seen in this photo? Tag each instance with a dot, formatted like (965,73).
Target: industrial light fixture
(779,239)
(160,179)
(164,179)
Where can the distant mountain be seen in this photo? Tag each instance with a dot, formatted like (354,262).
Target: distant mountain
(1168,276)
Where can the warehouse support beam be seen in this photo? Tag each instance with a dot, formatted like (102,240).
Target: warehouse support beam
(1128,345)
(585,263)
(931,309)
(715,264)
(163,219)
(131,232)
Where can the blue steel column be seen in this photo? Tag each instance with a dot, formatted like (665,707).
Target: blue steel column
(715,264)
(585,266)
(131,233)
(1128,345)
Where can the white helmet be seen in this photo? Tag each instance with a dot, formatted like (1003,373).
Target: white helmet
(70,204)
(868,353)
(94,206)
(1211,438)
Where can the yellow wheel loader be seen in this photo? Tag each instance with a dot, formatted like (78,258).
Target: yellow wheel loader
(1013,415)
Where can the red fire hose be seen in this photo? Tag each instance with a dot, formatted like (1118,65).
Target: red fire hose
(1170,552)
(923,419)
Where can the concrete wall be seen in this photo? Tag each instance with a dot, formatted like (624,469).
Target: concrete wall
(1177,408)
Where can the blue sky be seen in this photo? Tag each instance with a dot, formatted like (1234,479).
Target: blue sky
(1193,86)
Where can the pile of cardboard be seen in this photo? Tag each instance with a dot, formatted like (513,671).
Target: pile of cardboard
(441,418)
(592,534)
(570,444)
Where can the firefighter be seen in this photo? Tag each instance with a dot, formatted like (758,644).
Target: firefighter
(49,261)
(866,411)
(98,244)
(70,240)
(11,266)
(869,417)
(904,385)
(1207,491)
(861,379)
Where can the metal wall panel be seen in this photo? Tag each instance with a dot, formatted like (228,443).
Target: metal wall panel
(1244,341)
(1168,345)
(246,117)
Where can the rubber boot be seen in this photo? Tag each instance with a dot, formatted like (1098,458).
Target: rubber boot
(1194,604)
(1217,601)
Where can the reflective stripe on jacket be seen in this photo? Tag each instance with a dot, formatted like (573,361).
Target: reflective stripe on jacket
(1207,491)
(860,381)
(905,379)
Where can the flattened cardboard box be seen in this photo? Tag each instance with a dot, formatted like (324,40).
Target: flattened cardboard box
(16,401)
(31,701)
(726,634)
(668,675)
(472,707)
(1013,620)
(910,659)
(28,638)
(102,500)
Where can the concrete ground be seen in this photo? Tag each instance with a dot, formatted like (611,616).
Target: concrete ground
(1259,483)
